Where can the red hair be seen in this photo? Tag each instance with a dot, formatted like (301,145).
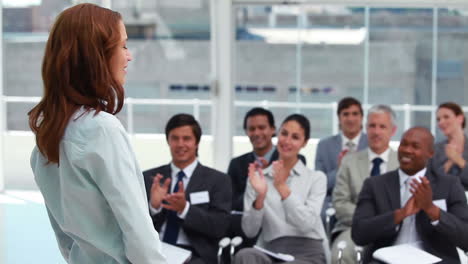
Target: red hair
(76,72)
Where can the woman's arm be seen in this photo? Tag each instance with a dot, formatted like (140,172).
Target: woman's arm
(111,163)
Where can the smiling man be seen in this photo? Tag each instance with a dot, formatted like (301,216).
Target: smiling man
(412,205)
(377,159)
(332,149)
(190,204)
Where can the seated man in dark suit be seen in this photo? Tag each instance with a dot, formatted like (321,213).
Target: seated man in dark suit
(259,125)
(412,205)
(190,204)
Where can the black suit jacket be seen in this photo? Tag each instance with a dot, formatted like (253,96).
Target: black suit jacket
(373,223)
(205,223)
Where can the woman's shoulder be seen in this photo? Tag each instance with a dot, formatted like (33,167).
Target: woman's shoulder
(92,120)
(303,169)
(88,123)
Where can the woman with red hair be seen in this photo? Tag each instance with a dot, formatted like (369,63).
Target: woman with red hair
(83,163)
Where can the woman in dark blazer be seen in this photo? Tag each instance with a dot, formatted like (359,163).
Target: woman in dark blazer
(451,154)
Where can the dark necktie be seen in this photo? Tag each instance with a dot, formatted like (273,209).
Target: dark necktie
(376,166)
(173,221)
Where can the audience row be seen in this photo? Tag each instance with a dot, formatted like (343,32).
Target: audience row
(279,203)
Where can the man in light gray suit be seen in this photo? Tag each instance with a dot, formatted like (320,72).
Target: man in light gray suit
(377,159)
(332,149)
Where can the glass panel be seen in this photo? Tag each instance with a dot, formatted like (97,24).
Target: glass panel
(170,43)
(265,52)
(170,60)
(400,63)
(152,119)
(17,116)
(332,54)
(422,118)
(400,122)
(320,122)
(452,56)
(279,46)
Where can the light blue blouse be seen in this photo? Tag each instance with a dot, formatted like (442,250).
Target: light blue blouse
(96,198)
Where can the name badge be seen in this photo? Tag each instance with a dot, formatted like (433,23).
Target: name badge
(199,197)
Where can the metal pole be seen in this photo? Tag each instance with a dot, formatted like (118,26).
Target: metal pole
(223,96)
(435,30)
(365,98)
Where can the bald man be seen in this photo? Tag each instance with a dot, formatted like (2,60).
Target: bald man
(412,205)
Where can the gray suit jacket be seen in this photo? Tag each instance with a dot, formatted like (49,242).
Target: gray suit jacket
(439,159)
(354,170)
(373,222)
(326,157)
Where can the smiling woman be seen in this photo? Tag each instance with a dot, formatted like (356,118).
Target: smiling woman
(284,201)
(119,61)
(451,154)
(84,164)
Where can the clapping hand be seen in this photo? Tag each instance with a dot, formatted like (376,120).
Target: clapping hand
(422,193)
(257,179)
(176,201)
(159,191)
(454,155)
(280,175)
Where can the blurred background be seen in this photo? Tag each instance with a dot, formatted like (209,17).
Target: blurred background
(216,60)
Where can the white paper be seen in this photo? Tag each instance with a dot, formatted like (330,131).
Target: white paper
(441,203)
(404,254)
(199,197)
(175,255)
(279,256)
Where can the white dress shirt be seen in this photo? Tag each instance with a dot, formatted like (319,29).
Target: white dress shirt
(408,233)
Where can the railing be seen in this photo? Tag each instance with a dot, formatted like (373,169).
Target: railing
(407,109)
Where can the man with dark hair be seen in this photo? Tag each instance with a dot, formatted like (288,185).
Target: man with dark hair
(190,204)
(412,205)
(331,150)
(259,125)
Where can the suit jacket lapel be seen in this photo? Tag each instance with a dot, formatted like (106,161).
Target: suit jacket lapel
(362,141)
(166,172)
(335,150)
(363,165)
(392,187)
(195,180)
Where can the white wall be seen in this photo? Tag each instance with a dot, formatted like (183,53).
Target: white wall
(151,151)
